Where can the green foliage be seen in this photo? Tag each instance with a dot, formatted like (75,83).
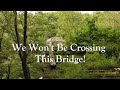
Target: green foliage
(36,70)
(43,26)
(97,61)
(71,71)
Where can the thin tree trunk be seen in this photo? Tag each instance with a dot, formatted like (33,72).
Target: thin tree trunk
(1,50)
(0,44)
(1,39)
(17,35)
(8,73)
(24,64)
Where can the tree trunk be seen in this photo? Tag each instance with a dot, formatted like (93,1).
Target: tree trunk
(22,55)
(8,72)
(0,44)
(24,64)
(1,39)
(17,35)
